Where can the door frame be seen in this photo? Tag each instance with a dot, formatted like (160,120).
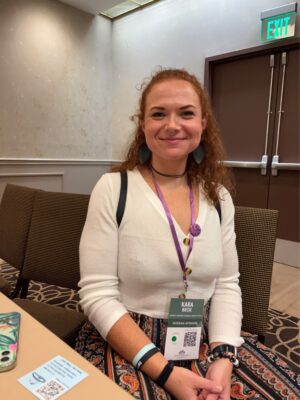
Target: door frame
(270,48)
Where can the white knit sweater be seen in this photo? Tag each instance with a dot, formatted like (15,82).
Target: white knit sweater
(135,267)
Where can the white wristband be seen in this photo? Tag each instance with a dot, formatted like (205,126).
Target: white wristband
(140,353)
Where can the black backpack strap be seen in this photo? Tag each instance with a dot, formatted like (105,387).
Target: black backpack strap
(122,197)
(218,208)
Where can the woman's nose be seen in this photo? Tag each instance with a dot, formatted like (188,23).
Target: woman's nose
(172,122)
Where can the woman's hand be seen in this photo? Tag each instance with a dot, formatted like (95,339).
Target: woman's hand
(184,384)
(219,372)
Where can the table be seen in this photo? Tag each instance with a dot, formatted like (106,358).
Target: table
(38,345)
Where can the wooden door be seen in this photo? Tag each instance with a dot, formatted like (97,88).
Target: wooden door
(240,95)
(245,88)
(285,175)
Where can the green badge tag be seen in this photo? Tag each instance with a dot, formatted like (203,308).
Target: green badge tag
(186,312)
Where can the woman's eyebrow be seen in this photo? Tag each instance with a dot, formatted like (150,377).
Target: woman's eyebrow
(180,108)
(187,106)
(157,108)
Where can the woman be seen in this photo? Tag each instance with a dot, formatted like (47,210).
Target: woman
(170,244)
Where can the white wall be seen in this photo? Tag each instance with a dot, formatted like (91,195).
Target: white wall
(176,33)
(55,79)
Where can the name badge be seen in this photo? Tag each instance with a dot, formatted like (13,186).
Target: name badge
(184,329)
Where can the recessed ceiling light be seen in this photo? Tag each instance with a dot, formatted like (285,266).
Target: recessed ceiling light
(125,7)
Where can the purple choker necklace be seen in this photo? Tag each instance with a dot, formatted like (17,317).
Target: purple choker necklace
(167,175)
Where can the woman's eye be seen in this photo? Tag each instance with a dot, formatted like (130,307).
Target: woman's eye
(188,114)
(157,114)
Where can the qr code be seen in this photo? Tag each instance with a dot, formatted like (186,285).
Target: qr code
(50,390)
(190,339)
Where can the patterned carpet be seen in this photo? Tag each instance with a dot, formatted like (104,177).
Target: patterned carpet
(282,335)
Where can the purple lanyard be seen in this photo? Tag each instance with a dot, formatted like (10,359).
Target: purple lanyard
(194,229)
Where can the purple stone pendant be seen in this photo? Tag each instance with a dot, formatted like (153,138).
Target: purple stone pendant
(195,230)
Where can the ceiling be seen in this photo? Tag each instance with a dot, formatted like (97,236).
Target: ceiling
(92,6)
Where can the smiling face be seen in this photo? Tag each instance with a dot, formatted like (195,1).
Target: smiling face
(173,122)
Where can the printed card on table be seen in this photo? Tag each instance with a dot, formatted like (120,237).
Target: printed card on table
(52,379)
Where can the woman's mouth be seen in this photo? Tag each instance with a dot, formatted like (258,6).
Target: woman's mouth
(172,140)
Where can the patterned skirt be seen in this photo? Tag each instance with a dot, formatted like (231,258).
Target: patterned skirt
(262,375)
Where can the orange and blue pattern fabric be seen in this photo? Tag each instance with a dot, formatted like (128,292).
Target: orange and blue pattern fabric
(262,374)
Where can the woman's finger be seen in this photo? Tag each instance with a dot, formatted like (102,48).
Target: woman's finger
(210,386)
(212,396)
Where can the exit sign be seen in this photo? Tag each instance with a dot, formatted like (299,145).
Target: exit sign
(277,24)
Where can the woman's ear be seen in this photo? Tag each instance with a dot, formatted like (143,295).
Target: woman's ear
(204,123)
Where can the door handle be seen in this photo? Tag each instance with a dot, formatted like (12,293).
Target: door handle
(262,165)
(276,165)
(269,112)
(281,111)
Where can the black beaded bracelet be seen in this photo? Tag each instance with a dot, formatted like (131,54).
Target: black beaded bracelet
(146,357)
(225,348)
(164,375)
(224,351)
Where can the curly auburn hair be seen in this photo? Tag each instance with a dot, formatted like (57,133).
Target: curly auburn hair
(211,172)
